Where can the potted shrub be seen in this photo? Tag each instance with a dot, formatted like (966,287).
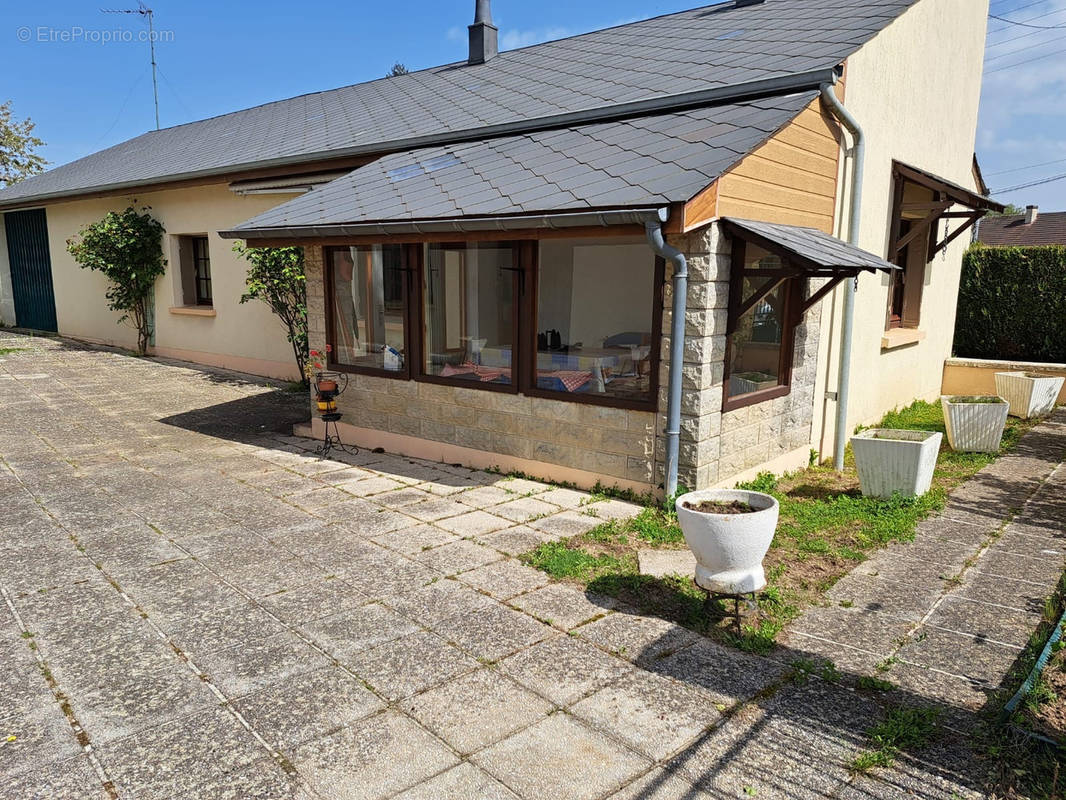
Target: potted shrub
(729,531)
(975,424)
(890,461)
(1030,394)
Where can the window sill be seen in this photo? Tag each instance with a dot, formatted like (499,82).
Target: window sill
(901,337)
(193,311)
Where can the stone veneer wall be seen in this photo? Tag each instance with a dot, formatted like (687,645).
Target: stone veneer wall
(716,446)
(611,442)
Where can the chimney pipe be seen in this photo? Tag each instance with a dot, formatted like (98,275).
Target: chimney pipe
(1031,213)
(484,36)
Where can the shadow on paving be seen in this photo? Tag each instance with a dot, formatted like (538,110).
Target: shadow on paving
(245,419)
(790,733)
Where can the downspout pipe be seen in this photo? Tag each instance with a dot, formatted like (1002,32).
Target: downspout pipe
(848,322)
(654,228)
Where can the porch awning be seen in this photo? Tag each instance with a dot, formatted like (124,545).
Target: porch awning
(949,201)
(808,253)
(811,253)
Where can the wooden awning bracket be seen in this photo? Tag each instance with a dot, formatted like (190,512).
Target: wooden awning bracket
(971,218)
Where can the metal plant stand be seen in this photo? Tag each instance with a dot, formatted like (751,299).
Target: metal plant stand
(750,603)
(326,398)
(331,440)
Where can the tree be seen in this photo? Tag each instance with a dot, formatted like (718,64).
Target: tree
(276,276)
(397,69)
(1010,210)
(18,159)
(127,247)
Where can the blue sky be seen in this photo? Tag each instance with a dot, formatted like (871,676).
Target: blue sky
(87,94)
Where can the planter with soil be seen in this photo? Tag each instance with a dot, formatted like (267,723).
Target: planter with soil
(1030,394)
(730,532)
(890,461)
(975,424)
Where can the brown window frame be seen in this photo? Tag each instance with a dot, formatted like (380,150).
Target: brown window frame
(201,260)
(792,317)
(651,404)
(518,273)
(526,275)
(406,252)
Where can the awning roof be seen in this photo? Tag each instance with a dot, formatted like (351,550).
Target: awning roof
(815,253)
(645,162)
(953,191)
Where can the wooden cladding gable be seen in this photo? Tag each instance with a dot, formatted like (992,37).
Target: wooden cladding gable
(791,178)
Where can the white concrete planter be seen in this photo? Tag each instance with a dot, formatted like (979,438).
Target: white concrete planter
(1030,394)
(729,548)
(975,427)
(890,461)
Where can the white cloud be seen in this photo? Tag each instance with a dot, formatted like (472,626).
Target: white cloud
(456,34)
(513,39)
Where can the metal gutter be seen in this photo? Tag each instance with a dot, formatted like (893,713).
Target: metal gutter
(654,229)
(848,321)
(525,222)
(748,90)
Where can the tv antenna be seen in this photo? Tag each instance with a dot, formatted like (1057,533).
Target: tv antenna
(145,12)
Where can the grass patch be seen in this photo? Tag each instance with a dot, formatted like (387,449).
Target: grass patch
(6,351)
(902,730)
(826,528)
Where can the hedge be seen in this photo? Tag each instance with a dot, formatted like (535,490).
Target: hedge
(1012,304)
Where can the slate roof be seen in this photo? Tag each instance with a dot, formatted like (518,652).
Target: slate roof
(648,161)
(712,46)
(1013,232)
(818,250)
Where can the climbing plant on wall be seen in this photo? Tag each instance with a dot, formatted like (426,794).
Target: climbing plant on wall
(127,247)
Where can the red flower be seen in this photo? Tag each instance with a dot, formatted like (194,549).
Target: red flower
(329,348)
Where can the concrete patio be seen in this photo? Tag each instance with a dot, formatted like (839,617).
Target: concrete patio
(196,606)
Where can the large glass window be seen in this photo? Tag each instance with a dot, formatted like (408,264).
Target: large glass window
(759,356)
(369,307)
(595,320)
(469,311)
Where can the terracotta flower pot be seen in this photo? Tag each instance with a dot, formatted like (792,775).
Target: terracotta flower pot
(326,385)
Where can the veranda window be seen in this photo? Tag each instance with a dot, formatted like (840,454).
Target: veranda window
(368,299)
(597,312)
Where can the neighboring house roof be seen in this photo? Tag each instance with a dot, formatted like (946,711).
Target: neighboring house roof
(692,51)
(648,161)
(1013,232)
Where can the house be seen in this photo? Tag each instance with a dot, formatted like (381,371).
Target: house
(677,250)
(1031,229)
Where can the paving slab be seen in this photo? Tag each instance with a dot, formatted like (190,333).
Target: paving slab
(661,563)
(477,709)
(562,606)
(307,706)
(408,665)
(564,669)
(463,782)
(539,761)
(373,758)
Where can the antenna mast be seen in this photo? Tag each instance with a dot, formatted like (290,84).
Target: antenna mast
(145,12)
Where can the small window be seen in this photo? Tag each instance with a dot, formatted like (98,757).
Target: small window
(369,311)
(194,271)
(202,270)
(597,311)
(469,312)
(759,345)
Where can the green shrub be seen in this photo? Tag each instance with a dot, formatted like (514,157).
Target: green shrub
(1012,304)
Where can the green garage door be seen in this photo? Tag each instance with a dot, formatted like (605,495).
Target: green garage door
(31,269)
